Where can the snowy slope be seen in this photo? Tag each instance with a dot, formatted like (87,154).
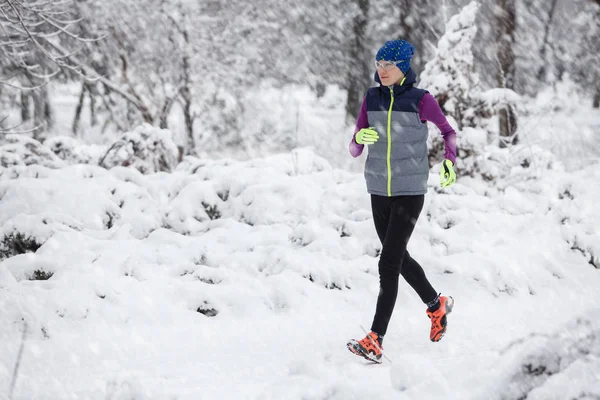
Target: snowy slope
(243,280)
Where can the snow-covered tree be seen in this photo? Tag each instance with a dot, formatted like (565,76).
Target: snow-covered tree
(449,76)
(555,40)
(140,60)
(359,54)
(39,41)
(587,56)
(505,27)
(28,38)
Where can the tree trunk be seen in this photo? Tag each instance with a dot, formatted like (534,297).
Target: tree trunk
(356,83)
(505,38)
(25,106)
(406,22)
(138,104)
(597,99)
(542,71)
(186,95)
(416,28)
(42,113)
(77,118)
(48,113)
(92,92)
(189,121)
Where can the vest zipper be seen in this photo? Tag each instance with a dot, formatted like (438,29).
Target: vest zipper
(389,147)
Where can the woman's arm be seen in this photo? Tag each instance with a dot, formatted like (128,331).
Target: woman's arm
(361,122)
(429,110)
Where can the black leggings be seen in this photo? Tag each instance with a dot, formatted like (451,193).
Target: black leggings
(395,219)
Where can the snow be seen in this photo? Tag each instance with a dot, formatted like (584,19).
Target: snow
(231,279)
(220,278)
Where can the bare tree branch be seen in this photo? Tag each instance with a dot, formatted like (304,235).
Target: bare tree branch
(31,26)
(90,74)
(64,30)
(5,82)
(12,129)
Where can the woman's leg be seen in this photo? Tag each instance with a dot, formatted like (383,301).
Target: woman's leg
(404,212)
(380,206)
(413,273)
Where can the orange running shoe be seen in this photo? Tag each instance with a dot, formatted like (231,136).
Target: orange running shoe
(370,347)
(438,318)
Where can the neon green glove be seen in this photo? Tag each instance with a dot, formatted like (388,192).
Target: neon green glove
(447,174)
(367,136)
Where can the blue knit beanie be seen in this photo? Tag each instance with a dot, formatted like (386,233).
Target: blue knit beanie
(396,50)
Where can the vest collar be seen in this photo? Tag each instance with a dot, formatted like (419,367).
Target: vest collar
(408,82)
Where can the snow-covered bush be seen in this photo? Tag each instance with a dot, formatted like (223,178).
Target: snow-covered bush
(485,104)
(561,364)
(195,205)
(13,243)
(72,151)
(518,163)
(29,267)
(26,233)
(147,148)
(20,149)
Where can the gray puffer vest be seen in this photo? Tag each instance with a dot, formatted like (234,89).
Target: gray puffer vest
(397,163)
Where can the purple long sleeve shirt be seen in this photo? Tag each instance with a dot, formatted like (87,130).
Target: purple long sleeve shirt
(429,110)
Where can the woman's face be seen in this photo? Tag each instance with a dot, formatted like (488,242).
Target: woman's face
(389,73)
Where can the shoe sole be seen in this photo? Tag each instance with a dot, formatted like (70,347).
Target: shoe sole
(354,348)
(449,307)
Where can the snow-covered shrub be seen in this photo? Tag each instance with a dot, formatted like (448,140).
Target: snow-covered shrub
(510,165)
(14,243)
(24,171)
(147,148)
(74,152)
(136,206)
(483,105)
(207,310)
(20,149)
(196,204)
(26,233)
(30,267)
(562,364)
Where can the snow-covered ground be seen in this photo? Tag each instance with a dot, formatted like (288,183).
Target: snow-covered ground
(244,280)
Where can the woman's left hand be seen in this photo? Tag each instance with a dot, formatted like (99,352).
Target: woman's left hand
(447,174)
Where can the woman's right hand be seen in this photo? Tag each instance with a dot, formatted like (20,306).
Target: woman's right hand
(367,136)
